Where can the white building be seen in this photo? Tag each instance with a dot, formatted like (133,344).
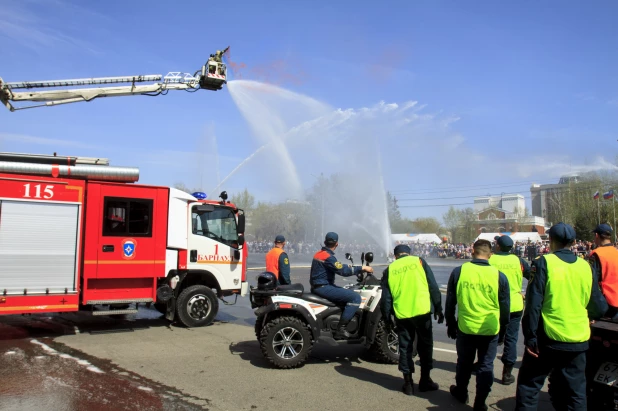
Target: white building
(510,203)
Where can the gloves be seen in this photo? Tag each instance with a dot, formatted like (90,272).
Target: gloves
(439,316)
(501,335)
(451,330)
(390,324)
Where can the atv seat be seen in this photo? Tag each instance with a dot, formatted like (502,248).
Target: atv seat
(291,288)
(317,299)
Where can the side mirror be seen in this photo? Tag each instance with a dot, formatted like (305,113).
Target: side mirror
(241,240)
(236,255)
(240,227)
(369,257)
(348,256)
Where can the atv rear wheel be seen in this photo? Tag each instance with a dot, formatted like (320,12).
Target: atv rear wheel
(286,342)
(385,347)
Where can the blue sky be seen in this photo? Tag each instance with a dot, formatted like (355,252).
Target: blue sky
(511,92)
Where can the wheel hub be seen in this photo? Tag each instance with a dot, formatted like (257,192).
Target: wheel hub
(198,307)
(392,340)
(288,343)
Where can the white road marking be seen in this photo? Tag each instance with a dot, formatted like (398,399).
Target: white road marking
(445,350)
(51,351)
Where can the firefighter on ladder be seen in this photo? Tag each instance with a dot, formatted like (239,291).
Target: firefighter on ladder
(278,262)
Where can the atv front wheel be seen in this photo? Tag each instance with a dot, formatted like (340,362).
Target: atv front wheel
(385,347)
(286,342)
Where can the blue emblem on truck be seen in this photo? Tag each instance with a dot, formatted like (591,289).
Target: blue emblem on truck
(128,248)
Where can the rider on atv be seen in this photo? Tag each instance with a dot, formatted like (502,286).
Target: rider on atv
(322,279)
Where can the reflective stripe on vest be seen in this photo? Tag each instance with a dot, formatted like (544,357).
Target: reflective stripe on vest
(477,299)
(608,256)
(407,281)
(567,294)
(272,260)
(511,267)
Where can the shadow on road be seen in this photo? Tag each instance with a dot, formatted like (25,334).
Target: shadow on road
(14,327)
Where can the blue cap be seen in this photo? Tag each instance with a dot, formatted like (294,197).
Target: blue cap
(330,236)
(280,239)
(603,229)
(562,232)
(504,241)
(402,248)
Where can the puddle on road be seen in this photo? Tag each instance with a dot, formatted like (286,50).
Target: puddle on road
(39,374)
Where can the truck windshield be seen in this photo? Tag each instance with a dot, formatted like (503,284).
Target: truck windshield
(219,224)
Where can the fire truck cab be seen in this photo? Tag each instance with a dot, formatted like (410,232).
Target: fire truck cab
(77,234)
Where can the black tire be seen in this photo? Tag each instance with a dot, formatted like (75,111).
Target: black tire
(381,350)
(161,307)
(197,306)
(291,327)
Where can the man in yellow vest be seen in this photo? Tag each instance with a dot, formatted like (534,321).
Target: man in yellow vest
(278,263)
(561,299)
(410,292)
(515,269)
(481,293)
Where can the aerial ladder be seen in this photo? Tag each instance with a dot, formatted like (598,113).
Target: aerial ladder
(212,76)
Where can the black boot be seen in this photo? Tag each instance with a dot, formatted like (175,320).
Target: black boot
(426,383)
(479,403)
(408,384)
(342,330)
(507,378)
(459,394)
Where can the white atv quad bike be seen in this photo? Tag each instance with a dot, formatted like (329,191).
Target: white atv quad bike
(290,321)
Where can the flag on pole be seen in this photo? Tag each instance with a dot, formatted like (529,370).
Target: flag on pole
(608,195)
(596,195)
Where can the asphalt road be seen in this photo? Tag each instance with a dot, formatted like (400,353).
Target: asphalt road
(75,361)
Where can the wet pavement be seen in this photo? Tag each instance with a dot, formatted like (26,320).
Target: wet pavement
(37,373)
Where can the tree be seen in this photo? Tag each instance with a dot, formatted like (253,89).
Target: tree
(461,224)
(426,225)
(244,200)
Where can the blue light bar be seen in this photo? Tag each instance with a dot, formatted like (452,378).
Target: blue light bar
(199,195)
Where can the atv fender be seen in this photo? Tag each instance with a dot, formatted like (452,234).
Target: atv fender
(372,325)
(267,311)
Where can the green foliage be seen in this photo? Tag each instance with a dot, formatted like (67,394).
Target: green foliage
(244,200)
(460,224)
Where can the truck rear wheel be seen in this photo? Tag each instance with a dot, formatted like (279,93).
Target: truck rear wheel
(197,306)
(286,342)
(385,347)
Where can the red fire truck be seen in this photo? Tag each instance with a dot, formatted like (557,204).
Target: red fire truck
(78,234)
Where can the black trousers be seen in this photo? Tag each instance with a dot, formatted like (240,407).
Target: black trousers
(468,346)
(406,330)
(567,379)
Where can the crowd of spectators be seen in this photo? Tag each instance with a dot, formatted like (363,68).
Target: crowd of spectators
(528,250)
(310,248)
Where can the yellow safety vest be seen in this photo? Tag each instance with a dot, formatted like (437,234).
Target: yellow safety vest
(477,299)
(511,267)
(407,282)
(567,294)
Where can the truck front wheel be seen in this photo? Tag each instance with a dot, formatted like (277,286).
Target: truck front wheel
(197,306)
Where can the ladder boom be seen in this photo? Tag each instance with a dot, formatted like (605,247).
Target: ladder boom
(211,76)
